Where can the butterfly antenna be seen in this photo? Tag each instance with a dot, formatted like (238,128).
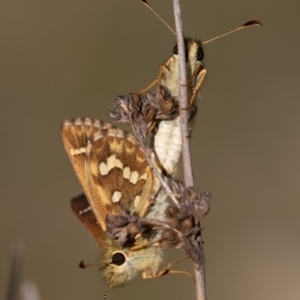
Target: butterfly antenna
(82,265)
(157,15)
(250,23)
(105,292)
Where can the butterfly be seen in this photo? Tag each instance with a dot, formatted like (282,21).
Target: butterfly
(169,153)
(114,175)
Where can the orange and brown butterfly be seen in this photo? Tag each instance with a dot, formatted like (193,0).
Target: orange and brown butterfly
(114,175)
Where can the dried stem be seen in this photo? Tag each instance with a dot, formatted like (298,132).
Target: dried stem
(186,156)
(183,98)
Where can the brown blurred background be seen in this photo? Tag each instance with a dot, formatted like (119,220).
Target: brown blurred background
(63,59)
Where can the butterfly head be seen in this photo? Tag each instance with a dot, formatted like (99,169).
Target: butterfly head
(194,55)
(193,50)
(121,265)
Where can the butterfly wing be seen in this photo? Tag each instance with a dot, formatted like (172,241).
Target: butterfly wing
(76,133)
(110,166)
(117,174)
(83,211)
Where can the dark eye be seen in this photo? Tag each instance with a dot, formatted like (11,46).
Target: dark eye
(200,53)
(118,259)
(175,50)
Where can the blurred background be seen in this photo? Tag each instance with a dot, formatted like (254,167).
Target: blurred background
(64,59)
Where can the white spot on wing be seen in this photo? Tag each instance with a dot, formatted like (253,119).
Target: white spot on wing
(113,162)
(134,177)
(77,151)
(103,169)
(88,121)
(126,173)
(85,210)
(116,196)
(93,168)
(78,122)
(119,134)
(136,201)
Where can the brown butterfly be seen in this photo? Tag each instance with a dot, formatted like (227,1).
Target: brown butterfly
(114,175)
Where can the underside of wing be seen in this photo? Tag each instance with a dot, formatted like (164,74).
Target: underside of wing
(75,135)
(117,174)
(110,166)
(83,211)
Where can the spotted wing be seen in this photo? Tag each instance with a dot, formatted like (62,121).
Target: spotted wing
(117,174)
(110,166)
(76,133)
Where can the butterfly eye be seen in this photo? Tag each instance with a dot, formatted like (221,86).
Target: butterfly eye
(175,49)
(200,53)
(118,259)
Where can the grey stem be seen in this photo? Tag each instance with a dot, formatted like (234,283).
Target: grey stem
(186,154)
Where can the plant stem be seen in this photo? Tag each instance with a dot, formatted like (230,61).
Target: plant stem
(186,154)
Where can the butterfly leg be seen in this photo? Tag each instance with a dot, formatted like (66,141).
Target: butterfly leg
(192,114)
(167,270)
(196,89)
(151,127)
(200,78)
(160,75)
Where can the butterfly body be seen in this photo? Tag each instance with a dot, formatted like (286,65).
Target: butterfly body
(169,151)
(114,175)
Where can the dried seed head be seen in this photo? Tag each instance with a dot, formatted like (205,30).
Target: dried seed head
(168,106)
(120,111)
(172,216)
(133,229)
(150,114)
(172,211)
(169,238)
(135,98)
(143,111)
(126,227)
(116,221)
(187,224)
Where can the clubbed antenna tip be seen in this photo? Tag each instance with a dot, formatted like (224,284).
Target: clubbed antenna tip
(247,24)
